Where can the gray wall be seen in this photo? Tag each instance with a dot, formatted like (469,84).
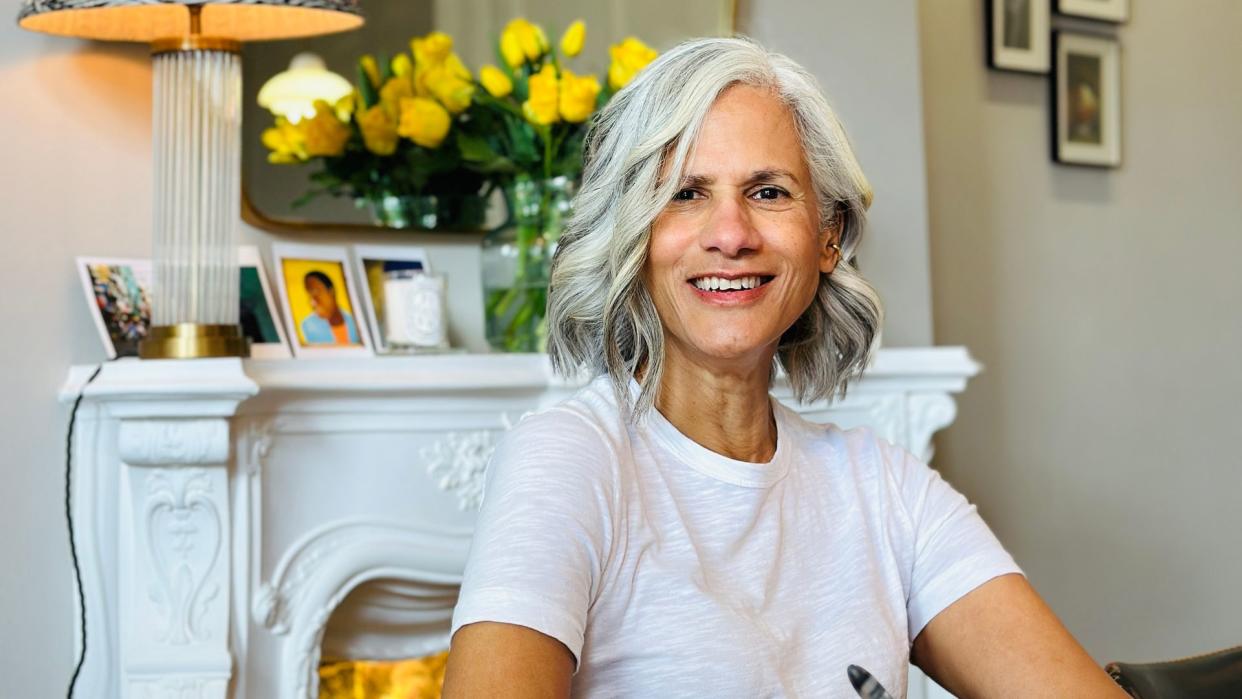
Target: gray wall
(866,56)
(1101,439)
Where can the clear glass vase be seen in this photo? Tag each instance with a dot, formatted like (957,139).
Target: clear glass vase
(516,259)
(427,212)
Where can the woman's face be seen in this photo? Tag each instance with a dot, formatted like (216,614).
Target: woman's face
(322,300)
(745,216)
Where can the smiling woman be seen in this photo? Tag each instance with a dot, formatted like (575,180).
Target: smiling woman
(672,530)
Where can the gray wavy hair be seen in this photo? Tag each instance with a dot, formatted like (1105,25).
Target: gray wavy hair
(600,314)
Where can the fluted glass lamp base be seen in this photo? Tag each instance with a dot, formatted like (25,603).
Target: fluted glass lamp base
(194,341)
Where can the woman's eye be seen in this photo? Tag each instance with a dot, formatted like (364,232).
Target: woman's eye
(684,195)
(770,193)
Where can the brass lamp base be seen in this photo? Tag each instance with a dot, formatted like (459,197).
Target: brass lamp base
(194,341)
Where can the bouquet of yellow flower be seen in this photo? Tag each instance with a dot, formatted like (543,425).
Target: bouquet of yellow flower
(396,141)
(527,129)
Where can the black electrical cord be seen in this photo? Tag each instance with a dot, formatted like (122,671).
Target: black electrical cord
(73,549)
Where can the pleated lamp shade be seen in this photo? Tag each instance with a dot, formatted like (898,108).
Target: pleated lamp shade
(152,20)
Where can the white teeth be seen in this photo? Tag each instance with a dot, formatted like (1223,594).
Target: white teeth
(718,283)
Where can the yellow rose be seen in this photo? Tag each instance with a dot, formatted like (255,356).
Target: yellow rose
(379,133)
(452,92)
(578,95)
(628,57)
(370,67)
(431,49)
(542,106)
(325,134)
(424,121)
(286,141)
(401,65)
(395,90)
(495,81)
(454,65)
(522,40)
(572,40)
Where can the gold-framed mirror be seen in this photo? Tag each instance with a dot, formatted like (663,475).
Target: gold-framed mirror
(270,190)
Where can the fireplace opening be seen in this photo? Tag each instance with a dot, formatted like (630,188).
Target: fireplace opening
(388,639)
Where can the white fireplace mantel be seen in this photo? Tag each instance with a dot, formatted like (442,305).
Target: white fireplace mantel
(238,519)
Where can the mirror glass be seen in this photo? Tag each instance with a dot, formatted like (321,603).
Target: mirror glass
(474,26)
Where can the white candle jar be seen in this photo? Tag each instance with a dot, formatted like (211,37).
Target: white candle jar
(414,311)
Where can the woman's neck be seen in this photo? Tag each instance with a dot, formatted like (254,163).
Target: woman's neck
(723,408)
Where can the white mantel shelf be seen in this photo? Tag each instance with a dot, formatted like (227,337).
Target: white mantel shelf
(237,520)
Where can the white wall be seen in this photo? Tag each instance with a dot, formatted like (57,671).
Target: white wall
(77,164)
(1101,440)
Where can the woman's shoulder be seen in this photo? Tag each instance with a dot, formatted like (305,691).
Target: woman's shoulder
(587,424)
(861,447)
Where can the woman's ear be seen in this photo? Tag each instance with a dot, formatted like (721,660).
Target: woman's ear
(830,253)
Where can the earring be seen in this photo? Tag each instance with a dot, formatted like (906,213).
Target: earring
(836,247)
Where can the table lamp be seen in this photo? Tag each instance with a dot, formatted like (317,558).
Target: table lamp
(196,121)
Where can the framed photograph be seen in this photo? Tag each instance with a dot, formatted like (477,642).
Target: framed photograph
(257,315)
(1086,100)
(372,262)
(1017,35)
(118,293)
(320,301)
(1106,10)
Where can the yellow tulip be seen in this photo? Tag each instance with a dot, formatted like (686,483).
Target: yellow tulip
(379,133)
(572,40)
(542,106)
(424,121)
(495,81)
(344,107)
(511,49)
(628,57)
(522,40)
(578,94)
(325,134)
(286,141)
(395,90)
(453,63)
(371,68)
(431,49)
(401,65)
(452,92)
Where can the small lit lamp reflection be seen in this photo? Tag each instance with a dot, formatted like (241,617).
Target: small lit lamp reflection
(292,93)
(196,120)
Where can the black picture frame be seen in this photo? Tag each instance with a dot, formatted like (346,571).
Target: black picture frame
(1085,100)
(1114,11)
(1017,36)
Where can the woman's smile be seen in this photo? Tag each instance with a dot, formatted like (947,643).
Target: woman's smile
(730,288)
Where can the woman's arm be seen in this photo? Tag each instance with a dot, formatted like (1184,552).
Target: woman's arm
(1001,640)
(492,659)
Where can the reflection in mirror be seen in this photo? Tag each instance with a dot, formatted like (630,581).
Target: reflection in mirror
(474,25)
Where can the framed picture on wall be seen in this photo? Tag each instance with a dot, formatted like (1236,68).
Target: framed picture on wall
(373,262)
(258,317)
(1086,100)
(118,294)
(320,301)
(1017,35)
(1106,10)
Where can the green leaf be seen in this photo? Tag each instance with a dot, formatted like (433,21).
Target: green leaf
(369,94)
(474,148)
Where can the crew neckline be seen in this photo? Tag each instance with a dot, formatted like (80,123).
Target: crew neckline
(718,466)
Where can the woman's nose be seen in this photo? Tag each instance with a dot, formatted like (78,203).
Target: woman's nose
(729,229)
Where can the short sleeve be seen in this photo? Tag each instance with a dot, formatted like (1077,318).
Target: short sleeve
(953,550)
(543,531)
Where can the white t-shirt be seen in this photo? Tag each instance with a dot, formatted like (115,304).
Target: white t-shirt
(669,570)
